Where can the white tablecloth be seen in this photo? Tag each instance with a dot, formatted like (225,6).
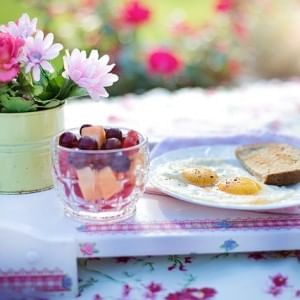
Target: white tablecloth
(264,106)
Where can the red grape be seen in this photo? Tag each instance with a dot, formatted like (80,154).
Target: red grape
(113,133)
(79,160)
(87,143)
(131,139)
(100,161)
(68,140)
(120,163)
(111,143)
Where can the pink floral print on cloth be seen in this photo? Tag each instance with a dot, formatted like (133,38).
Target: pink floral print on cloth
(268,275)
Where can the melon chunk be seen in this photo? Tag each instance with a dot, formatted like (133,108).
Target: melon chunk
(96,132)
(106,183)
(87,183)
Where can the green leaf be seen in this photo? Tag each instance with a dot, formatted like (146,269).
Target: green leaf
(78,92)
(4,89)
(37,90)
(17,104)
(65,89)
(50,104)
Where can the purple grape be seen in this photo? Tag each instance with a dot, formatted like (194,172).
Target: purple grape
(120,163)
(87,143)
(113,133)
(112,143)
(100,161)
(79,160)
(83,126)
(68,140)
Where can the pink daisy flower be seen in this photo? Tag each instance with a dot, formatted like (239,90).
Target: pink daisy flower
(23,28)
(38,50)
(91,73)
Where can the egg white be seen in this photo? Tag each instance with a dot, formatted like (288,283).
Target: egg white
(168,176)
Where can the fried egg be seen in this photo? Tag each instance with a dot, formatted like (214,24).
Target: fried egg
(216,181)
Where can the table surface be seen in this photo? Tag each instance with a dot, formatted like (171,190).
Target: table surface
(255,108)
(258,107)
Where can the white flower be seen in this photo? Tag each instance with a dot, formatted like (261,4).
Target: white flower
(37,52)
(91,73)
(23,28)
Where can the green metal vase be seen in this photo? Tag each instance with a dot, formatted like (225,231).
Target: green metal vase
(25,156)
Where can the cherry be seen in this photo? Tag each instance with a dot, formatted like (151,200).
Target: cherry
(113,133)
(83,126)
(111,143)
(68,140)
(131,139)
(87,143)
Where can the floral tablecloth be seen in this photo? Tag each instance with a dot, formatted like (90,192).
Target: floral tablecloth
(258,107)
(191,277)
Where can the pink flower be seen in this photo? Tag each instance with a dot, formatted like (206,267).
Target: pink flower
(126,290)
(23,28)
(87,249)
(37,51)
(90,73)
(10,48)
(279,280)
(224,6)
(163,62)
(154,287)
(275,290)
(134,13)
(193,294)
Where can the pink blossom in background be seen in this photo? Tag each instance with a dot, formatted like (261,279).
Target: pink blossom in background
(183,28)
(135,13)
(23,28)
(90,4)
(223,6)
(239,27)
(10,49)
(38,50)
(91,73)
(163,62)
(234,67)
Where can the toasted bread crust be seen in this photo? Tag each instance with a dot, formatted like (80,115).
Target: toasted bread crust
(277,164)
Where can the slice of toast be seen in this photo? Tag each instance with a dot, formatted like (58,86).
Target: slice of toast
(277,164)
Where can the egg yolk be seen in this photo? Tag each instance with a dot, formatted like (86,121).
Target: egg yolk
(200,176)
(240,186)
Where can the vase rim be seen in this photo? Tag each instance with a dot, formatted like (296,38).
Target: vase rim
(31,112)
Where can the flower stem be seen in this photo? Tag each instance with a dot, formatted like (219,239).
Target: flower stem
(65,90)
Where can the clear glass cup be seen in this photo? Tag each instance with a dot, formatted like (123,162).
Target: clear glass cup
(100,185)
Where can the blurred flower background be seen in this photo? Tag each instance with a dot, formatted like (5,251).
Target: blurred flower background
(175,43)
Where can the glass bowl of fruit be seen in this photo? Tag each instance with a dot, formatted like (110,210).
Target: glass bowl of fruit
(100,172)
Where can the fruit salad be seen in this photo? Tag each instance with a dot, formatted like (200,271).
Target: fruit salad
(100,169)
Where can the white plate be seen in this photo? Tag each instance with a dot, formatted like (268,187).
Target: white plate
(213,155)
